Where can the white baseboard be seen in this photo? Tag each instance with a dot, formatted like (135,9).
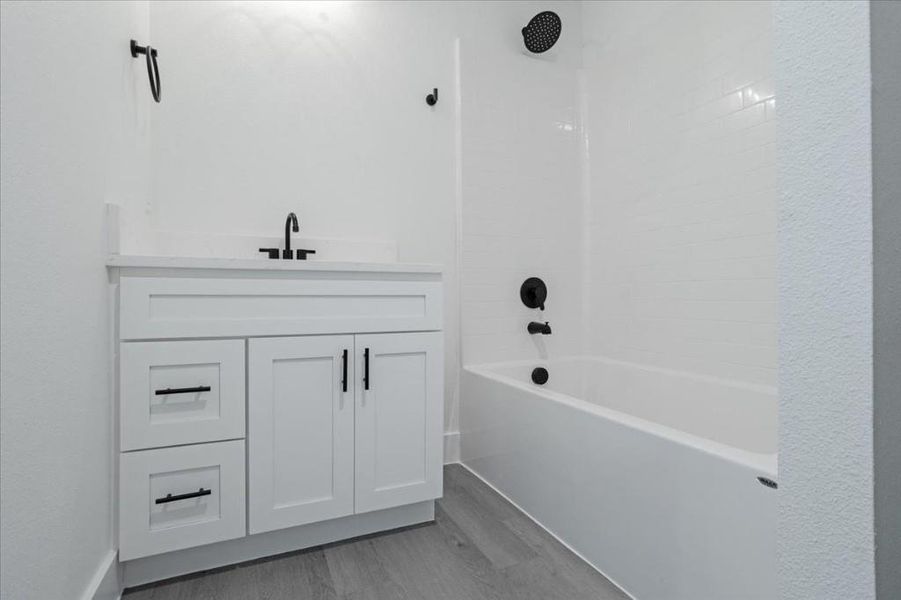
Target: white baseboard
(451,447)
(106,584)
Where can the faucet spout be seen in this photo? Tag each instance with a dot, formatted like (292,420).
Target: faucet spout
(542,328)
(290,225)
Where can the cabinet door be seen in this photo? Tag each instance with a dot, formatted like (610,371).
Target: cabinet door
(300,430)
(399,419)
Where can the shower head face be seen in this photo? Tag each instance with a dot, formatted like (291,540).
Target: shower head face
(542,32)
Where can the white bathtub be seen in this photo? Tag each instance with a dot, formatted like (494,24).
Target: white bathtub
(651,475)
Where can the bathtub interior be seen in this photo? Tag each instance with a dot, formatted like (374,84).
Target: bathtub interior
(734,414)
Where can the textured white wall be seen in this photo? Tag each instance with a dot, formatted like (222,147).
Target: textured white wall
(825,534)
(681,186)
(521,204)
(74,106)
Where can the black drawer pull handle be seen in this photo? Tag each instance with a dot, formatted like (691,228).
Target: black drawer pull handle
(193,390)
(344,373)
(188,496)
(366,369)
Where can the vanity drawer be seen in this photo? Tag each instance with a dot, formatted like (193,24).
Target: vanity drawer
(174,498)
(181,392)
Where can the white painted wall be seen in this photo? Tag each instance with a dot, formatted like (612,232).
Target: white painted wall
(315,107)
(312,107)
(521,205)
(681,186)
(319,108)
(825,541)
(74,136)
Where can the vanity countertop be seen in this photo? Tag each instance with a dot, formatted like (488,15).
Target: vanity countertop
(263,264)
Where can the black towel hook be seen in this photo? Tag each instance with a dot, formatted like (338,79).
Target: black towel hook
(153,69)
(432,98)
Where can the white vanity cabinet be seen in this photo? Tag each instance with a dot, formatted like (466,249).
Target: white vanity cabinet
(272,408)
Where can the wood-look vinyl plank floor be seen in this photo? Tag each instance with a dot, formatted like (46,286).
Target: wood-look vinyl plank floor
(480,547)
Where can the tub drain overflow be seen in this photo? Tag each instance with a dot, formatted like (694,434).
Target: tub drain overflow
(539,375)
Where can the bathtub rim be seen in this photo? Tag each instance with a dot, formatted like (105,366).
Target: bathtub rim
(764,463)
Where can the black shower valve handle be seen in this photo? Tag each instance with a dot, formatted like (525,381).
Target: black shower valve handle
(533,293)
(432,99)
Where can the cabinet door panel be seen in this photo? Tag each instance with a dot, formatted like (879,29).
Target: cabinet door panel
(301,428)
(399,420)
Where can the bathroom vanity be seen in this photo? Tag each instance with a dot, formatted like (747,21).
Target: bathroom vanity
(267,406)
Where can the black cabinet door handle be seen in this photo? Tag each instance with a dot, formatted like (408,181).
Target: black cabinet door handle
(344,373)
(189,495)
(190,390)
(366,369)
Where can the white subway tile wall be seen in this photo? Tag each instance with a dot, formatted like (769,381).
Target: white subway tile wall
(681,270)
(521,204)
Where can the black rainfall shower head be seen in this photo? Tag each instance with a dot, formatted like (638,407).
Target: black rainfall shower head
(542,32)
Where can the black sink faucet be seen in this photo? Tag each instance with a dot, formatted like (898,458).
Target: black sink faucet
(290,224)
(287,253)
(542,328)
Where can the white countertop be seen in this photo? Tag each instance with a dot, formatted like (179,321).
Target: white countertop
(263,264)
